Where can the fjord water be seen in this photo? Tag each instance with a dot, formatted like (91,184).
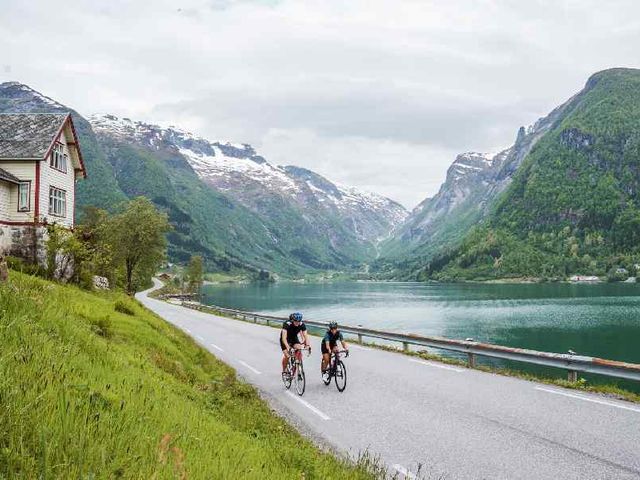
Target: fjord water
(600,320)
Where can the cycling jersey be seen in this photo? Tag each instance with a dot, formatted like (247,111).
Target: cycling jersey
(332,338)
(292,333)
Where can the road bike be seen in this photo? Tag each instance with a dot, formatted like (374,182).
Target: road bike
(295,370)
(336,371)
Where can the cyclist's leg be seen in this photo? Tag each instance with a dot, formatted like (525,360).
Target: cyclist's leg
(297,347)
(285,356)
(326,356)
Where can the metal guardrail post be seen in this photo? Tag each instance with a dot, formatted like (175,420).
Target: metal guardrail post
(471,357)
(572,376)
(255,319)
(360,338)
(405,346)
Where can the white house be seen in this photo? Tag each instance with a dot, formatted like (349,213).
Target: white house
(40,162)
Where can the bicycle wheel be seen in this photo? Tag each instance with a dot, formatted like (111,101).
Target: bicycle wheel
(341,376)
(300,380)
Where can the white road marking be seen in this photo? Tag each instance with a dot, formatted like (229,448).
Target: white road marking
(437,365)
(216,347)
(257,372)
(199,337)
(187,330)
(403,471)
(309,406)
(586,399)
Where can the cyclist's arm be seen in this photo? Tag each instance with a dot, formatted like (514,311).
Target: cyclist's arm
(306,338)
(283,336)
(344,344)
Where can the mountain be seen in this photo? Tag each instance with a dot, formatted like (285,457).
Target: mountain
(237,220)
(566,203)
(473,184)
(312,220)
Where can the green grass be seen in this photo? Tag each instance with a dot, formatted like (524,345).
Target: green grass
(95,386)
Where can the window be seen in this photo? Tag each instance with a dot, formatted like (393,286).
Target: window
(59,158)
(57,202)
(24,196)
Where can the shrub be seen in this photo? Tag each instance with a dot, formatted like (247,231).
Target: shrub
(103,326)
(122,307)
(19,265)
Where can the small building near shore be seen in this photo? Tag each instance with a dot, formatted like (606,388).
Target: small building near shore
(584,278)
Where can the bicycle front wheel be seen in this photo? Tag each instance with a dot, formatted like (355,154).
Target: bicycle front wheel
(341,376)
(300,380)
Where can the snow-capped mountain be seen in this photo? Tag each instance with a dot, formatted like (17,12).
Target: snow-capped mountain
(238,171)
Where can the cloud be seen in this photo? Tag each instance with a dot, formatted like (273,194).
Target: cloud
(377,94)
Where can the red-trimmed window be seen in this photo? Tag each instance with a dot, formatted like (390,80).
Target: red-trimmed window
(59,159)
(57,202)
(24,196)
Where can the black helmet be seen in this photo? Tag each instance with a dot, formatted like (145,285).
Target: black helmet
(333,325)
(296,317)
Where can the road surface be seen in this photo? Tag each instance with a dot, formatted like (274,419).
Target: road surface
(455,422)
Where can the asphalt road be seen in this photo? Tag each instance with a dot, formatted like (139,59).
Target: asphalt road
(455,422)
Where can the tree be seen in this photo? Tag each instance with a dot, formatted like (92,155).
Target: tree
(137,237)
(195,273)
(94,230)
(626,228)
(66,253)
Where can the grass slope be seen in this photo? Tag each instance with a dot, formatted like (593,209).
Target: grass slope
(95,386)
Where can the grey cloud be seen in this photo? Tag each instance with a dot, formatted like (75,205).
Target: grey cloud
(369,92)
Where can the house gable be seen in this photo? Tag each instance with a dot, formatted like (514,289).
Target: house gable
(42,151)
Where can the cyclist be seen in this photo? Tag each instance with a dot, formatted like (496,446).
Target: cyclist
(330,344)
(289,337)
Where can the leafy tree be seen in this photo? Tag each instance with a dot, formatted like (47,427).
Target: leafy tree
(137,237)
(94,230)
(65,253)
(195,273)
(626,228)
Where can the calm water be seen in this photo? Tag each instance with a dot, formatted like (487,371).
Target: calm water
(599,320)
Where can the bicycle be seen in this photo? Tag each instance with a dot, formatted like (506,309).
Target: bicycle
(295,370)
(337,371)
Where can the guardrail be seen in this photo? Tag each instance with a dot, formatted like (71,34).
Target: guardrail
(572,363)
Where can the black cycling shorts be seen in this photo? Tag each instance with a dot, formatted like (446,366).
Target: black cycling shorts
(283,347)
(323,347)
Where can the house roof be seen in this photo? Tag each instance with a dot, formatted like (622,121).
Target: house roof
(8,177)
(29,135)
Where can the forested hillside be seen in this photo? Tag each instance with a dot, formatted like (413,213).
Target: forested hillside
(573,204)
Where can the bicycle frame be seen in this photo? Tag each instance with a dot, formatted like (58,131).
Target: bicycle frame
(295,355)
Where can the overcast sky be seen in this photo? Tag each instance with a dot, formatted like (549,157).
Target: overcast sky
(377,94)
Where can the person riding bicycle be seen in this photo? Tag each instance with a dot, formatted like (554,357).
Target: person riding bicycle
(330,344)
(289,337)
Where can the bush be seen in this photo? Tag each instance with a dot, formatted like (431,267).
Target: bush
(122,307)
(19,265)
(103,326)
